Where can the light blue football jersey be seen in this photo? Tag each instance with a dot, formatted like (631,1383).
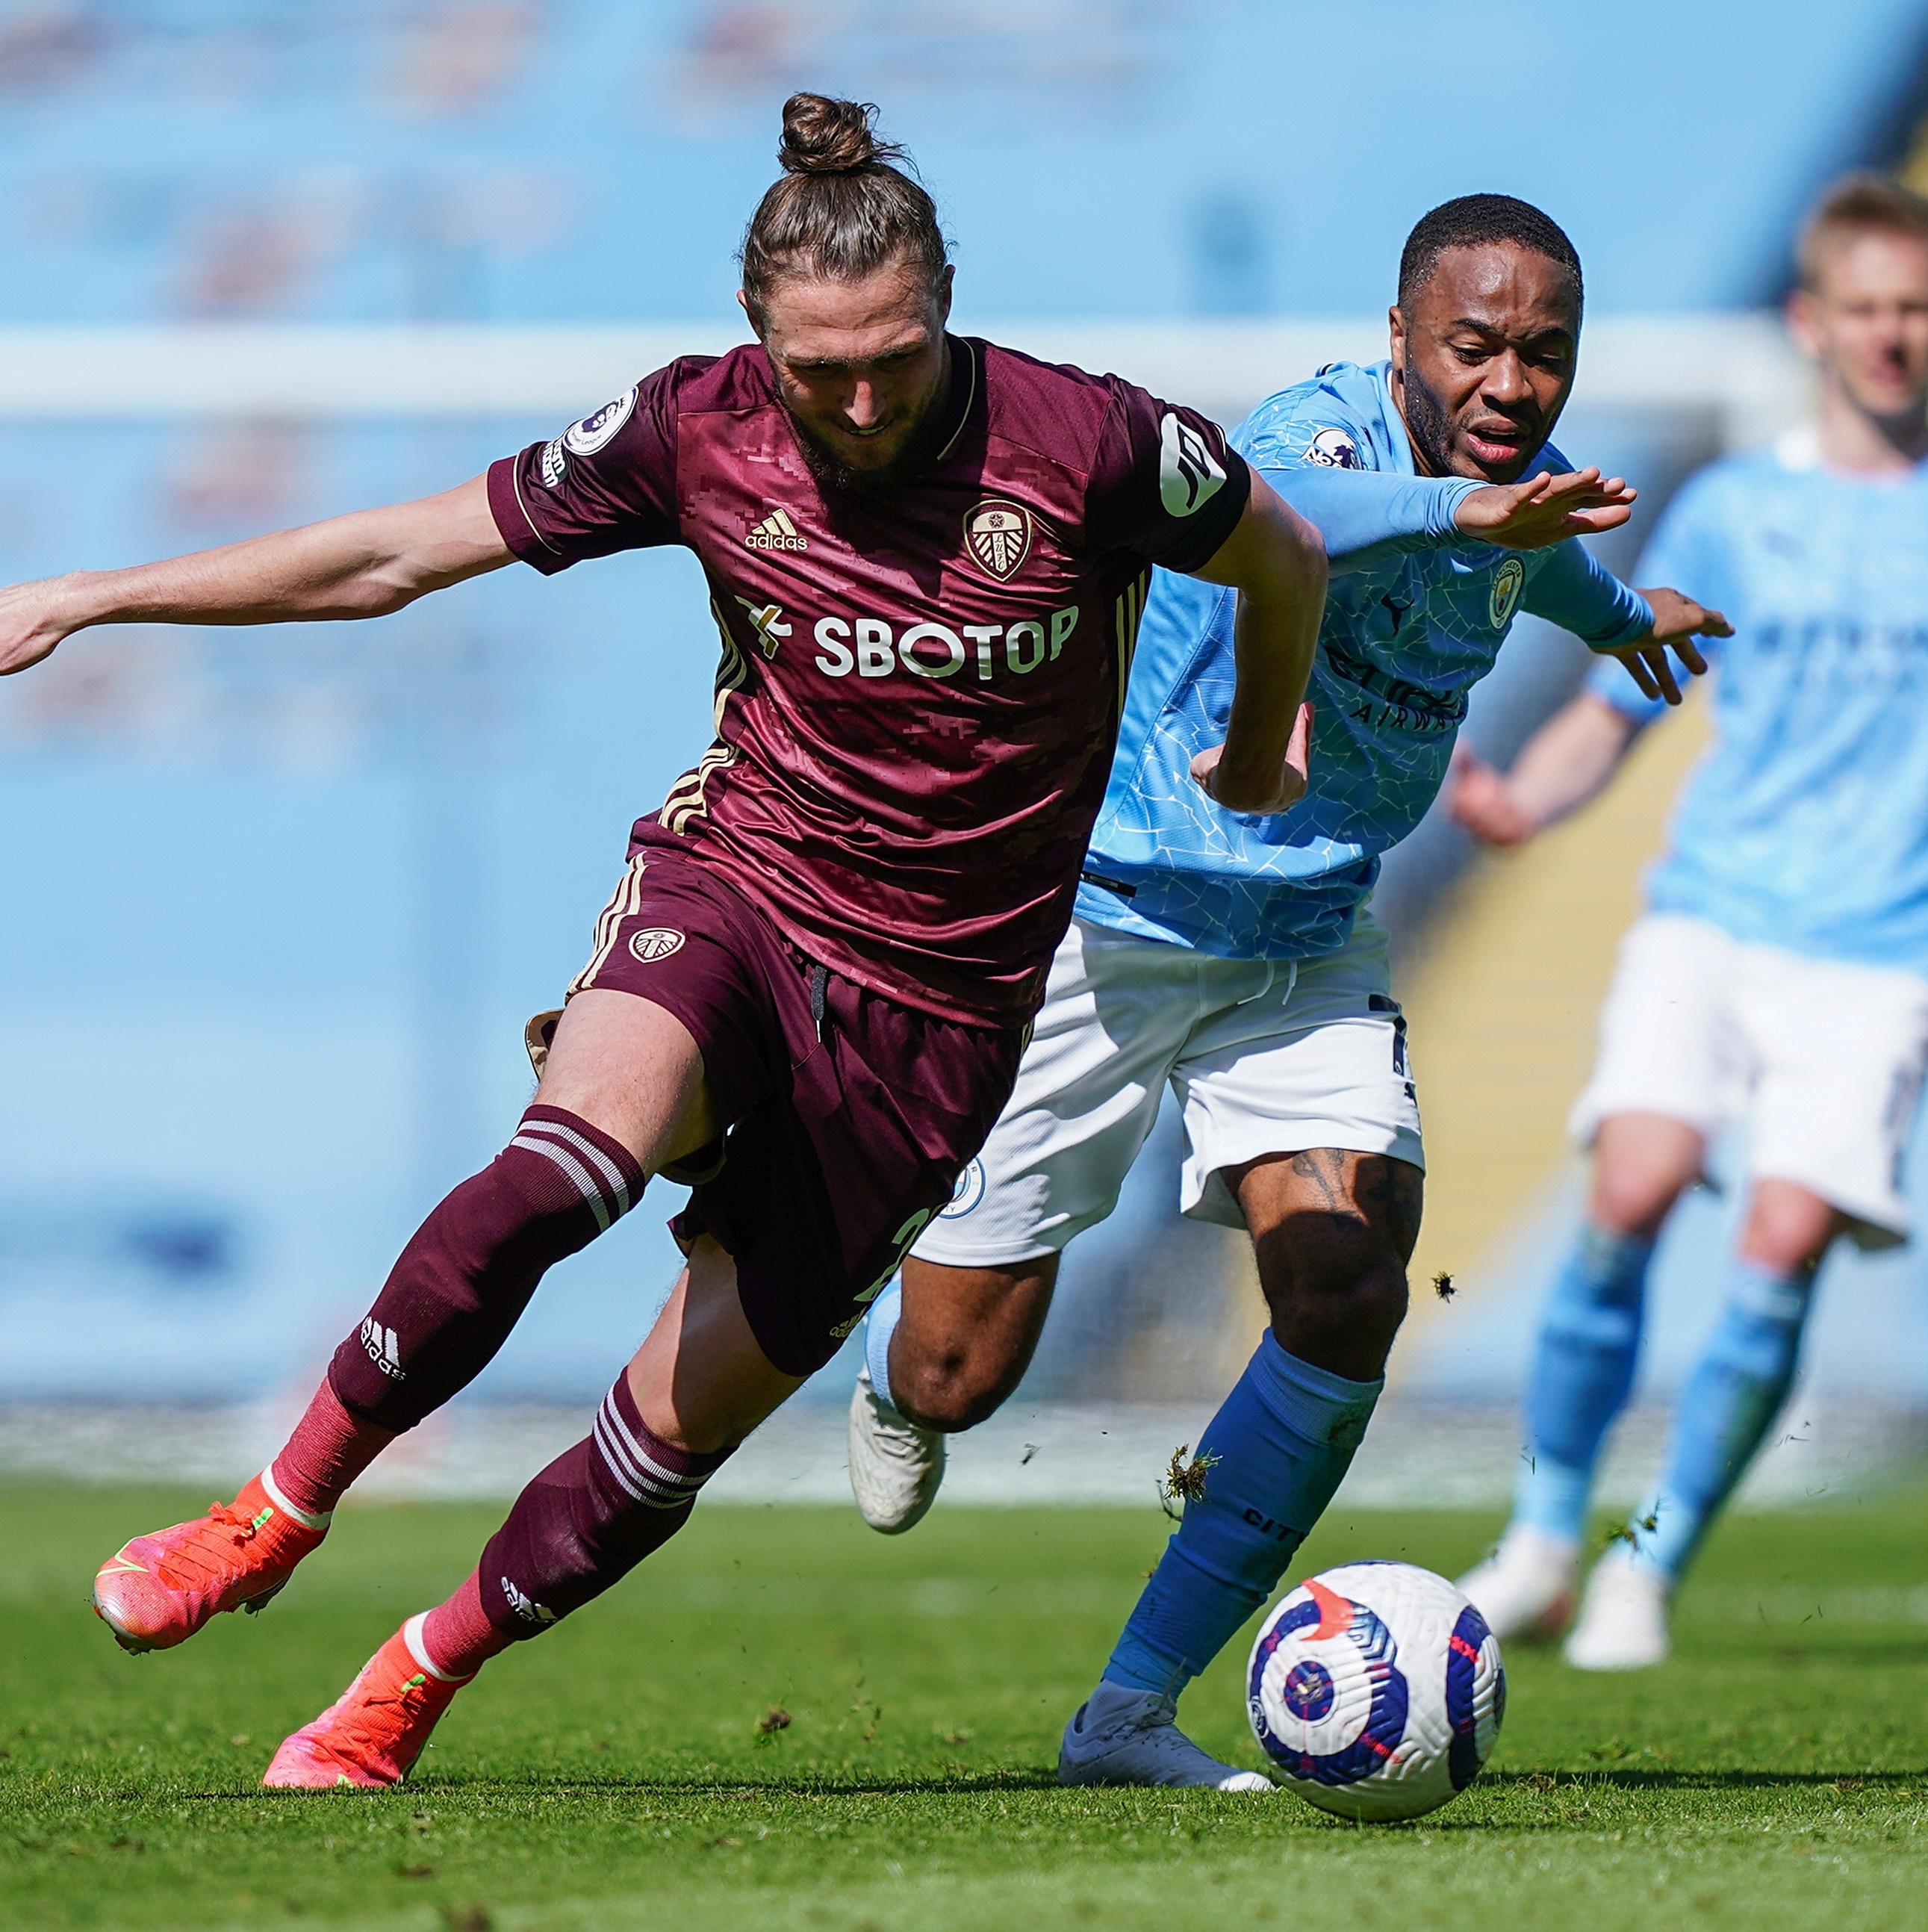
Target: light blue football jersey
(1805,823)
(1414,619)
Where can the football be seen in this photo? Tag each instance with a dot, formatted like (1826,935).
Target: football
(1376,1690)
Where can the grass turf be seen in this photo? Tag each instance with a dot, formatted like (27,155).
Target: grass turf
(616,1774)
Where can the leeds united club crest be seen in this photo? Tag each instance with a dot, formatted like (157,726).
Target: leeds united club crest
(999,536)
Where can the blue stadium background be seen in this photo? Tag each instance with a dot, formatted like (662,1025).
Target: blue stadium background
(273,906)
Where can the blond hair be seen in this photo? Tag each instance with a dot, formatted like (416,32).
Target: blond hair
(1857,204)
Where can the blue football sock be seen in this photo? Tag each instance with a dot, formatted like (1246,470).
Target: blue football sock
(1589,1341)
(1729,1403)
(879,1326)
(1283,1440)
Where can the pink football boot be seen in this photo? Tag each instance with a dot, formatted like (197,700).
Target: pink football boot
(158,1590)
(373,1732)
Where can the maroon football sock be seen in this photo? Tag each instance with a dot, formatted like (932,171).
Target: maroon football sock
(330,1447)
(462,1282)
(589,1519)
(458,1636)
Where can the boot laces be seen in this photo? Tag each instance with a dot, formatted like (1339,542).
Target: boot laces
(362,1735)
(207,1556)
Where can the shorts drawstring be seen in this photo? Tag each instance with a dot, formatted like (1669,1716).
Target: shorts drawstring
(1272,980)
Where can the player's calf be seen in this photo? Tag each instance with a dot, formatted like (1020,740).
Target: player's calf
(462,1282)
(965,1346)
(954,1342)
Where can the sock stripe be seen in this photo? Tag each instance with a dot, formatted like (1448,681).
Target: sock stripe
(307,1519)
(415,1636)
(612,1174)
(585,1181)
(639,1487)
(640,1474)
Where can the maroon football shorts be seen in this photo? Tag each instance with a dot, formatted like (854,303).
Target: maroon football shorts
(848,1118)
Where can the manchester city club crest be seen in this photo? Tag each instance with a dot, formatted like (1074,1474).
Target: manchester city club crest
(1508,582)
(999,536)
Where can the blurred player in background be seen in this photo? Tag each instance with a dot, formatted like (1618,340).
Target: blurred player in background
(928,557)
(1777,977)
(1228,955)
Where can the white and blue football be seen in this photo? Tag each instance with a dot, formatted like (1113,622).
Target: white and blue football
(1376,1690)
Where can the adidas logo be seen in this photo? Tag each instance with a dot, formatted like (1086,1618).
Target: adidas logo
(776,531)
(525,1606)
(384,1350)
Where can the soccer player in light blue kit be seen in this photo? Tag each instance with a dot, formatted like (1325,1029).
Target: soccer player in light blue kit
(1780,975)
(1229,957)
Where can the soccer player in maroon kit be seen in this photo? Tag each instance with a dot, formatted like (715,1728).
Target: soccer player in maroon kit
(927,555)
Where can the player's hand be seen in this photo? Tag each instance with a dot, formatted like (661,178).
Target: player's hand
(1545,509)
(29,628)
(1478,797)
(1292,778)
(1677,621)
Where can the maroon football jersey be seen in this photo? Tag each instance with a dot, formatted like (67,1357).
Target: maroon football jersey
(921,683)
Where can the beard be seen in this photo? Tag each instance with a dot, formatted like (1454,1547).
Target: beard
(925,436)
(1429,423)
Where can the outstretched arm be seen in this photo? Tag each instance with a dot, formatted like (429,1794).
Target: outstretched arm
(1677,621)
(1573,589)
(1570,758)
(365,565)
(1367,515)
(1275,559)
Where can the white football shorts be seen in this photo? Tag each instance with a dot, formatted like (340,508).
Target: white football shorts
(1264,1057)
(1823,1059)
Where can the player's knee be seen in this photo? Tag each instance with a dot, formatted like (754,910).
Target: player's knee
(1787,1228)
(1336,1302)
(1643,1164)
(954,1390)
(1633,1197)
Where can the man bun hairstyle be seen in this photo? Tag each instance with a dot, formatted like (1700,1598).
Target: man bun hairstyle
(1857,204)
(1475,221)
(847,205)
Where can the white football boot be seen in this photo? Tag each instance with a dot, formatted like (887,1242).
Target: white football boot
(1623,1622)
(1122,1736)
(897,1466)
(1527,1587)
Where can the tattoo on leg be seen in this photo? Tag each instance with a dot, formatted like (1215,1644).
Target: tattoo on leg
(1325,1168)
(1384,1193)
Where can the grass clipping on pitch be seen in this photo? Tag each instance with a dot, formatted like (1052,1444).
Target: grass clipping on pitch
(787,1721)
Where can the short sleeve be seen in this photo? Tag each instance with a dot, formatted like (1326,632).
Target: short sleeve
(1166,483)
(607,484)
(1311,427)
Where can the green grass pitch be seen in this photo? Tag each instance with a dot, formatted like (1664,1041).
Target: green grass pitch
(614,1774)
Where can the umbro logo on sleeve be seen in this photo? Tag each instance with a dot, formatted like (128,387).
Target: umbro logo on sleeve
(776,531)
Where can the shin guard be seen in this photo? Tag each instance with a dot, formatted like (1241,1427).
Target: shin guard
(462,1282)
(589,1519)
